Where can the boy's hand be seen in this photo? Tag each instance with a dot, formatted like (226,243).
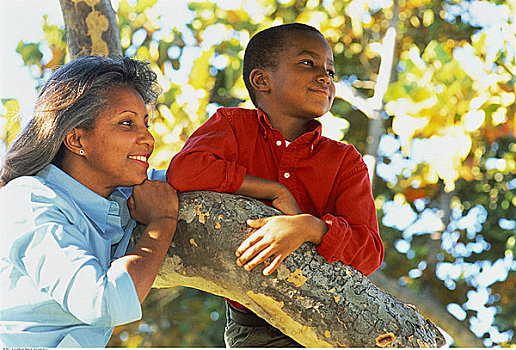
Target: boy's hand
(277,237)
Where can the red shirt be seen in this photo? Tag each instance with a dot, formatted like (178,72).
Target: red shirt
(329,179)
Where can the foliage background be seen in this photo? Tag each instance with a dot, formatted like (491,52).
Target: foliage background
(440,140)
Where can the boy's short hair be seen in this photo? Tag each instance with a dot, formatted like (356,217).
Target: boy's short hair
(264,48)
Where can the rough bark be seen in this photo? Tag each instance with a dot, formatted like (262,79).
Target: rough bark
(91,27)
(316,303)
(431,308)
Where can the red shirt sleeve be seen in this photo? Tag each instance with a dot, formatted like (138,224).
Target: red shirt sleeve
(208,160)
(353,236)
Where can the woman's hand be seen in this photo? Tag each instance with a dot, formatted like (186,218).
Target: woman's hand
(155,204)
(152,201)
(277,237)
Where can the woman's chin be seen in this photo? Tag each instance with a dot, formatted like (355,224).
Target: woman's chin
(135,180)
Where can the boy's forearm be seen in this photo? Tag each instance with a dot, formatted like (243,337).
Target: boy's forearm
(358,245)
(272,191)
(315,228)
(260,188)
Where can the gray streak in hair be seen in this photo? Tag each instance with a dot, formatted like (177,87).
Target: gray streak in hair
(73,97)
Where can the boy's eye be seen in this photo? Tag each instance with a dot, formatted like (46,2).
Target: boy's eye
(331,73)
(127,122)
(307,62)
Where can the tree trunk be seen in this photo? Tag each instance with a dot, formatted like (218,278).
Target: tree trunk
(91,27)
(316,303)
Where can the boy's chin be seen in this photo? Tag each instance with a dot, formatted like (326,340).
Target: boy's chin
(319,114)
(319,111)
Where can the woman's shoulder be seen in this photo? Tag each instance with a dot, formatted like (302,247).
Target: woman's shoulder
(29,186)
(29,196)
(22,189)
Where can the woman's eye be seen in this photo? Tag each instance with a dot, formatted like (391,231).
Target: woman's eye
(331,73)
(127,122)
(307,63)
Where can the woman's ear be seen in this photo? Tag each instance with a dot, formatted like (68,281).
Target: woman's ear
(259,80)
(72,141)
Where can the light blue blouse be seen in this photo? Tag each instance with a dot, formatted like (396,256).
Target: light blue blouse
(57,241)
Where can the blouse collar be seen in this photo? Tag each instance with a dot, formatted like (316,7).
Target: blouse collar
(103,212)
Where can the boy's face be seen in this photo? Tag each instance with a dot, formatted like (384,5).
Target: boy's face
(301,85)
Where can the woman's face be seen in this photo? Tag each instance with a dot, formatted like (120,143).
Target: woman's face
(116,150)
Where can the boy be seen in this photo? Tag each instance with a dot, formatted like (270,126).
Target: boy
(276,153)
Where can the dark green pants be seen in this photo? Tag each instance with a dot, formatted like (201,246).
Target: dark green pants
(263,336)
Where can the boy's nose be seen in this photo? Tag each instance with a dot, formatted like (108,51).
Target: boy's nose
(324,78)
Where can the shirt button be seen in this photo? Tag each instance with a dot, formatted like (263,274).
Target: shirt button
(286,175)
(278,143)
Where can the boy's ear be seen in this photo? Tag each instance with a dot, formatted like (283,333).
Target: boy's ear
(72,141)
(259,80)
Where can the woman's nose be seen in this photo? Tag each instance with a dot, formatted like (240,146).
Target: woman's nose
(146,138)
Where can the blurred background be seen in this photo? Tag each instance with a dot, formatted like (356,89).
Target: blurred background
(425,91)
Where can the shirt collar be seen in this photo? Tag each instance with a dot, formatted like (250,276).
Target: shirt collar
(97,208)
(312,137)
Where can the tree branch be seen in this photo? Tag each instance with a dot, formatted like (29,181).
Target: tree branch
(431,308)
(316,303)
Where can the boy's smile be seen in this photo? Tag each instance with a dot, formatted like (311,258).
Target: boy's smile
(300,87)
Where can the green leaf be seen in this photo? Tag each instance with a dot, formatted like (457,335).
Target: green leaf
(12,127)
(30,53)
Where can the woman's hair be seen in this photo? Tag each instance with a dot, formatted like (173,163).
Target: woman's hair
(73,97)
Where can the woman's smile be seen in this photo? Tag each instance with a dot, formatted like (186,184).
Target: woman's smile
(140,159)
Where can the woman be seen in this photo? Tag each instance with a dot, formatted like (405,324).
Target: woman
(66,278)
